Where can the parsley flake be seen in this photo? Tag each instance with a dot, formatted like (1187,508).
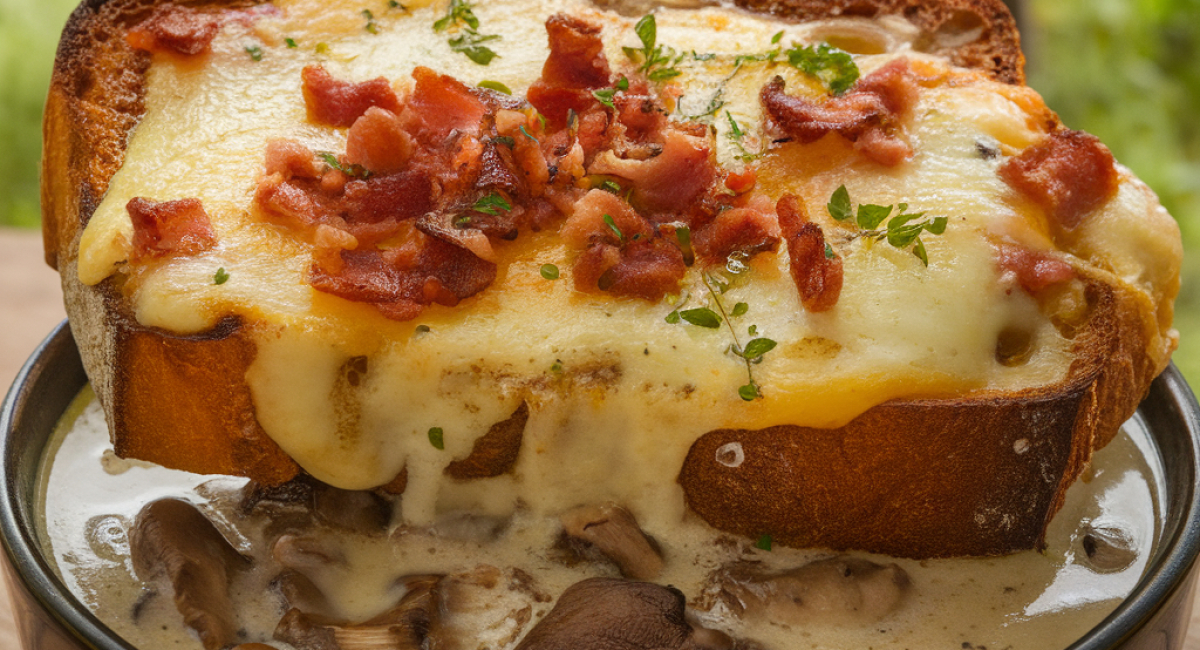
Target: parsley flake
(460,15)
(436,438)
(255,52)
(613,226)
(832,67)
(290,42)
(353,171)
(221,276)
(371,26)
(492,204)
(657,61)
(496,86)
(763,543)
(550,271)
(740,309)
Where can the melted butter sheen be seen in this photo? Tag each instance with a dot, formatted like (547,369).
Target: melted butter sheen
(1027,600)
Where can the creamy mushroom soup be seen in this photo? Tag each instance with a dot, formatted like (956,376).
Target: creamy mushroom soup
(306,565)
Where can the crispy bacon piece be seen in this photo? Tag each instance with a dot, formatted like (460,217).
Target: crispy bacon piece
(400,285)
(868,115)
(172,28)
(817,276)
(576,66)
(166,228)
(1068,174)
(378,142)
(669,181)
(1034,270)
(339,103)
(752,228)
(624,258)
(444,104)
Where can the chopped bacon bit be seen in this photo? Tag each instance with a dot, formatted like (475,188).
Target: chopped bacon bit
(587,225)
(576,66)
(444,104)
(750,229)
(339,103)
(648,269)
(669,181)
(868,115)
(378,142)
(1034,270)
(741,182)
(818,277)
(328,244)
(172,28)
(167,228)
(1069,174)
(290,159)
(288,203)
(400,196)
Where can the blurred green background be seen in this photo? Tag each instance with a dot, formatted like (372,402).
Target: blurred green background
(1125,70)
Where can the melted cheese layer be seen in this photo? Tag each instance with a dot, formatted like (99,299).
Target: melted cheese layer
(616,393)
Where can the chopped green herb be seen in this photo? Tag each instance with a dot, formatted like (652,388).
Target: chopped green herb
(750,392)
(221,276)
(550,271)
(255,52)
(290,42)
(353,171)
(522,129)
(613,226)
(657,61)
(832,67)
(505,140)
(610,186)
(902,230)
(557,366)
(737,135)
(468,43)
(623,83)
(672,317)
(394,4)
(683,235)
(777,37)
(370,26)
(322,48)
(492,204)
(605,96)
(421,329)
(496,86)
(828,251)
(701,317)
(758,347)
(740,309)
(436,438)
(763,543)
(462,221)
(752,330)
(458,13)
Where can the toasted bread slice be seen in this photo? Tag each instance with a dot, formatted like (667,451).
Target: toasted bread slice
(936,460)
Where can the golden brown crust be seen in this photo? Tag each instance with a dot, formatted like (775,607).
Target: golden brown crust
(979,34)
(979,475)
(191,391)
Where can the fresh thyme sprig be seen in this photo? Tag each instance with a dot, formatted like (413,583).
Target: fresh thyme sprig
(902,230)
(656,61)
(750,354)
(353,171)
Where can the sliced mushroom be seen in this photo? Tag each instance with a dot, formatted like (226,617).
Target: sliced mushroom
(838,590)
(304,553)
(403,627)
(298,592)
(1108,549)
(614,531)
(356,511)
(612,614)
(496,451)
(484,608)
(174,543)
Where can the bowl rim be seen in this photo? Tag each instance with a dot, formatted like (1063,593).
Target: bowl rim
(1165,573)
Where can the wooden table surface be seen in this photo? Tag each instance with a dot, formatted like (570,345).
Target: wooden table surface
(31,304)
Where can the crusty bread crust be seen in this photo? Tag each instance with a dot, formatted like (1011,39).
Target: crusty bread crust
(940,459)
